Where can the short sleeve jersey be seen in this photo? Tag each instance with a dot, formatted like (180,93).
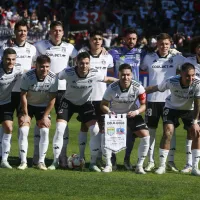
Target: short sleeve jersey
(26,54)
(160,68)
(193,60)
(38,91)
(79,90)
(59,56)
(181,98)
(7,82)
(120,101)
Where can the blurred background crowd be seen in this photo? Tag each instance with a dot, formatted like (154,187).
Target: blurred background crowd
(179,18)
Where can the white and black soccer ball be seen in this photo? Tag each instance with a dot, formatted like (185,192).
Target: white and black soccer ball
(75,162)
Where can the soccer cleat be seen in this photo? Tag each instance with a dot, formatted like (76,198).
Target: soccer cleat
(195,172)
(53,166)
(171,166)
(42,166)
(5,164)
(161,170)
(150,166)
(94,168)
(100,163)
(63,161)
(107,169)
(22,166)
(187,169)
(139,170)
(128,165)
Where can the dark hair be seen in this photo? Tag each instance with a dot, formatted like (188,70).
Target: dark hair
(83,55)
(56,23)
(194,43)
(187,66)
(21,23)
(124,66)
(8,51)
(164,36)
(96,32)
(129,30)
(43,59)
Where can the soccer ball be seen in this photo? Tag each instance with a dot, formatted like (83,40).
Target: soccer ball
(75,162)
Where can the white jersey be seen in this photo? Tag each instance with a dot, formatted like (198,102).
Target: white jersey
(59,56)
(160,68)
(38,91)
(7,82)
(193,60)
(79,90)
(120,101)
(181,98)
(26,54)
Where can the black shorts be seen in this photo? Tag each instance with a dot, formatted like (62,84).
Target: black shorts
(6,112)
(59,97)
(171,116)
(15,99)
(67,109)
(136,123)
(153,113)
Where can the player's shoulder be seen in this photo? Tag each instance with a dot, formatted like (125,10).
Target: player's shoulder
(191,59)
(151,55)
(114,85)
(41,43)
(30,74)
(135,83)
(94,70)
(70,71)
(52,74)
(196,80)
(174,79)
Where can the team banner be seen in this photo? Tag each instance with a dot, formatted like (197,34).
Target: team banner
(115,132)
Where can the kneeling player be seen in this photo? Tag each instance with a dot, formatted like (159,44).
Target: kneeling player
(122,95)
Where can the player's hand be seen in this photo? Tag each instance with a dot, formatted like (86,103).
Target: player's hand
(24,119)
(195,130)
(10,42)
(111,113)
(44,122)
(132,114)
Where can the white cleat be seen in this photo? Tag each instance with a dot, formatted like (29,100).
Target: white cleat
(100,163)
(195,172)
(94,168)
(22,166)
(187,169)
(171,166)
(53,166)
(107,169)
(139,170)
(128,165)
(161,170)
(42,166)
(5,164)
(150,166)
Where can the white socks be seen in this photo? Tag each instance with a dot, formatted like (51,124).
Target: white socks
(163,153)
(188,152)
(172,148)
(43,145)
(6,146)
(195,158)
(82,139)
(152,133)
(106,152)
(143,150)
(58,139)
(23,143)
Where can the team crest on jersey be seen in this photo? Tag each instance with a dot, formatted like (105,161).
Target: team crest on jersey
(170,60)
(46,86)
(63,49)
(137,56)
(103,62)
(27,50)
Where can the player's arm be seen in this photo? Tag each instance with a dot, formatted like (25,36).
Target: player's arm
(109,79)
(151,89)
(105,106)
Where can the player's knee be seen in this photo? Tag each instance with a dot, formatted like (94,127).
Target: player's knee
(168,135)
(94,130)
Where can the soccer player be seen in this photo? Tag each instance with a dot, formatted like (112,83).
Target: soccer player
(59,52)
(38,93)
(184,103)
(131,55)
(161,65)
(9,74)
(122,96)
(77,99)
(26,54)
(103,62)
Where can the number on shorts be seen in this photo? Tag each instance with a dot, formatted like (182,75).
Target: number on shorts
(149,112)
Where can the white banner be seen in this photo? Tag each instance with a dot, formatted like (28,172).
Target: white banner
(115,132)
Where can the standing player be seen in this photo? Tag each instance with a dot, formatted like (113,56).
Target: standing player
(38,92)
(77,99)
(160,65)
(9,74)
(122,96)
(184,103)
(131,55)
(26,53)
(59,52)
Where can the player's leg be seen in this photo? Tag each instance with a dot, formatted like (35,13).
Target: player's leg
(36,141)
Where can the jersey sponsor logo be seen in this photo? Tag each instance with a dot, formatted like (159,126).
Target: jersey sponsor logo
(23,56)
(162,66)
(28,50)
(56,55)
(80,87)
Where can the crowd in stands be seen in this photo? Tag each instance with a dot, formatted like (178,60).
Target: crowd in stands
(179,18)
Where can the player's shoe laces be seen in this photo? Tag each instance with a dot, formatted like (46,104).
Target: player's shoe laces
(94,168)
(42,166)
(22,166)
(107,169)
(53,166)
(187,169)
(63,161)
(150,166)
(161,170)
(5,164)
(195,172)
(100,163)
(171,166)
(128,165)
(139,170)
